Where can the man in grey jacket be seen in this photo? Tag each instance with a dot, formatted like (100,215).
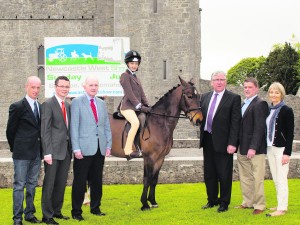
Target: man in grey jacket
(91,138)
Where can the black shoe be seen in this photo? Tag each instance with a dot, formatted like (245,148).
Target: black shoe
(134,155)
(50,221)
(18,222)
(98,213)
(222,209)
(61,216)
(77,217)
(33,220)
(209,205)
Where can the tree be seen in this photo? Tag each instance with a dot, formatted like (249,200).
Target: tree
(248,67)
(281,66)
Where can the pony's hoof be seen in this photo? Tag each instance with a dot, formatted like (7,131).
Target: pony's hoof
(145,208)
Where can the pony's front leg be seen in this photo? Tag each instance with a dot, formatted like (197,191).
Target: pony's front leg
(153,183)
(144,194)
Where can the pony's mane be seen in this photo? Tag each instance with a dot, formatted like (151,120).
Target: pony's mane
(166,94)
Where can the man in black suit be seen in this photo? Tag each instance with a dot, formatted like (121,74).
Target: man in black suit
(56,150)
(24,139)
(219,138)
(251,156)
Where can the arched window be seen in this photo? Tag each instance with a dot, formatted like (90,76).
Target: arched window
(41,63)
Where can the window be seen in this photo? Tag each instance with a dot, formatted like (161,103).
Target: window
(155,6)
(41,63)
(165,69)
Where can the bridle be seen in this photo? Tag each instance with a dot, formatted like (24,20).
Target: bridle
(187,112)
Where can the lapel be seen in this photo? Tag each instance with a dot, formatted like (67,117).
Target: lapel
(135,79)
(222,102)
(27,106)
(206,103)
(86,103)
(250,106)
(59,110)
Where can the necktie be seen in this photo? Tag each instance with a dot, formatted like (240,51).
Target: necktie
(210,114)
(94,110)
(36,112)
(64,112)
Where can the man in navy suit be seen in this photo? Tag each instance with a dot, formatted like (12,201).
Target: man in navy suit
(251,156)
(24,139)
(219,138)
(91,138)
(55,134)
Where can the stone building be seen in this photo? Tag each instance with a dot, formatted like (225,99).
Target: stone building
(165,32)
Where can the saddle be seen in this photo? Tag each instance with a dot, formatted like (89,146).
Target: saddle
(127,126)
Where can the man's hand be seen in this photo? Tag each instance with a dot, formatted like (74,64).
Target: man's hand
(108,152)
(48,159)
(251,153)
(78,155)
(231,149)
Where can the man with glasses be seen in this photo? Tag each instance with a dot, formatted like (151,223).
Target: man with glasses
(219,138)
(56,150)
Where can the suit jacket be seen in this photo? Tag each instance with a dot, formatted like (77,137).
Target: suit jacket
(133,92)
(226,121)
(284,129)
(54,131)
(253,125)
(86,134)
(23,131)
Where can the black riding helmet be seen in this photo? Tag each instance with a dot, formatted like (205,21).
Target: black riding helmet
(132,56)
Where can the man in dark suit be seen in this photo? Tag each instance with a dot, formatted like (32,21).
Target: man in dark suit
(56,150)
(251,156)
(219,139)
(91,139)
(24,139)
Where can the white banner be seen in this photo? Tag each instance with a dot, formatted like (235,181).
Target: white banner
(79,57)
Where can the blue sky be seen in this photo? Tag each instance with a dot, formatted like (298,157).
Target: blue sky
(235,29)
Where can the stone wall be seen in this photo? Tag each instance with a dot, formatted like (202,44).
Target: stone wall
(171,35)
(116,171)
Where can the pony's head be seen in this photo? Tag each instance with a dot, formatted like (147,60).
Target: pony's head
(190,102)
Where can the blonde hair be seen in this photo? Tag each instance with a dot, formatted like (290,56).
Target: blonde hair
(279,87)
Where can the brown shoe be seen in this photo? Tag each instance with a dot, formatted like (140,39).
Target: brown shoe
(257,211)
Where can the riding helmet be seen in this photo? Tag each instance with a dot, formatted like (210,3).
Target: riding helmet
(132,56)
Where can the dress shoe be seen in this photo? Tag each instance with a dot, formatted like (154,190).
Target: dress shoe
(134,155)
(276,213)
(98,213)
(77,217)
(50,221)
(18,222)
(257,211)
(33,220)
(209,205)
(222,209)
(61,216)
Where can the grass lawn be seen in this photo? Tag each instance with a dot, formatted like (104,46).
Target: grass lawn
(178,204)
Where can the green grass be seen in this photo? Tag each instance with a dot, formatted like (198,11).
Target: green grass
(178,204)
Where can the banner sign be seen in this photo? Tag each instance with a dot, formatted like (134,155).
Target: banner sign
(79,57)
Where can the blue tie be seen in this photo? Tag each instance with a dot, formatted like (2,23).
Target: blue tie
(36,112)
(210,114)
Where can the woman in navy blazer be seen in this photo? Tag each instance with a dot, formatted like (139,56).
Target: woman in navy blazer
(280,135)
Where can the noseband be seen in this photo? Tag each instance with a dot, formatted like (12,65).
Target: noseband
(188,109)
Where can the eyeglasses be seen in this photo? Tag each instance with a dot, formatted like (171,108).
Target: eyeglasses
(65,87)
(219,80)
